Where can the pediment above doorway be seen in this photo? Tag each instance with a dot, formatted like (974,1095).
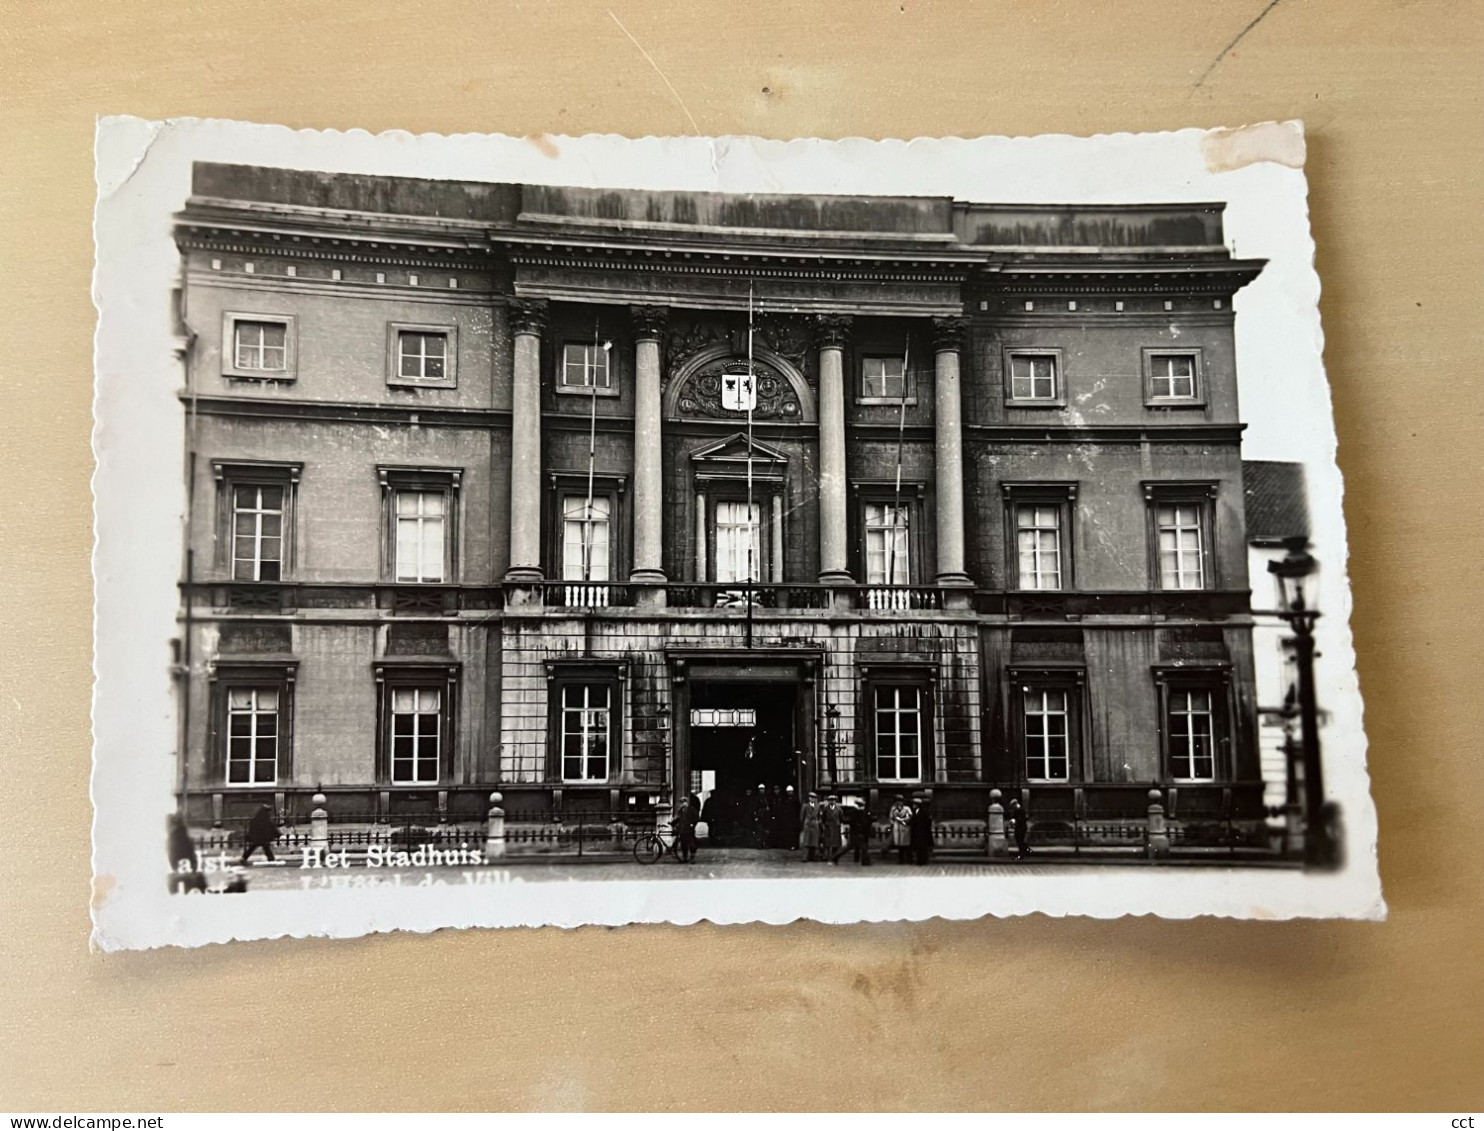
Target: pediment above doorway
(733,452)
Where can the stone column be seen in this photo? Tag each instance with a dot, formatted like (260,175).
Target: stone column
(702,575)
(949,452)
(649,325)
(528,320)
(833,526)
(777,540)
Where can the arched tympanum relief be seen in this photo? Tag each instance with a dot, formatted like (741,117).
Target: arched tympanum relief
(694,392)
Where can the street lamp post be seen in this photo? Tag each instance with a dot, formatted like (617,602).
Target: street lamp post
(1293,572)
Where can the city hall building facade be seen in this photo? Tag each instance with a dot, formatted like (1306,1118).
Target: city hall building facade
(474,504)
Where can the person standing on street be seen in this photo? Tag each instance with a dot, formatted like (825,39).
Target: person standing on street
(262,832)
(788,819)
(1018,827)
(833,842)
(922,829)
(860,832)
(810,826)
(685,831)
(901,828)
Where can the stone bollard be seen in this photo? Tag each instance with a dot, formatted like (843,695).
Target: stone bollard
(319,827)
(998,844)
(494,839)
(1159,833)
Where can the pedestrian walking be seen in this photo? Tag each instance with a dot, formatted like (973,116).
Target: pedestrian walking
(859,818)
(900,818)
(810,826)
(921,826)
(262,832)
(830,825)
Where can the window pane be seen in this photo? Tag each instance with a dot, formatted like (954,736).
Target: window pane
(432,550)
(585,538)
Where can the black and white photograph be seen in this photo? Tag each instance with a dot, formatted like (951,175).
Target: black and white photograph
(592,530)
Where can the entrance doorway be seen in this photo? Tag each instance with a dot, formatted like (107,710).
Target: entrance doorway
(743,758)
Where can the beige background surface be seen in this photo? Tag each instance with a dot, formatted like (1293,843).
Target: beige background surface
(1022,1014)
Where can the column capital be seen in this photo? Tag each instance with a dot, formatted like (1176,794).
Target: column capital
(649,321)
(831,330)
(948,333)
(528,315)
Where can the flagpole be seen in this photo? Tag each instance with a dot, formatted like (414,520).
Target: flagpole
(896,502)
(752,530)
(592,444)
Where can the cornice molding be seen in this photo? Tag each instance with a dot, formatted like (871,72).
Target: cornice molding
(1107,433)
(337,412)
(346,288)
(346,250)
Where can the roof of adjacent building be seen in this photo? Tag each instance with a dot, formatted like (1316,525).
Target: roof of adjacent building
(1276,500)
(933,225)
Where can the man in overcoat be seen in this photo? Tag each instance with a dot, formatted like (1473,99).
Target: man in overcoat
(262,831)
(901,828)
(788,820)
(810,822)
(921,827)
(830,823)
(859,818)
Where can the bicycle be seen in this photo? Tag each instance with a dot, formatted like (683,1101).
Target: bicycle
(651,847)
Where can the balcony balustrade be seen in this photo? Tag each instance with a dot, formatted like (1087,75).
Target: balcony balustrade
(585,595)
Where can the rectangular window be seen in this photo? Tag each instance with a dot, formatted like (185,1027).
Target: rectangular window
(1034,377)
(1038,544)
(1191,727)
(422,355)
(1047,733)
(260,346)
(1180,529)
(585,540)
(738,542)
(257,346)
(584,366)
(899,733)
(585,731)
(723,717)
(257,533)
(417,734)
(420,530)
(252,735)
(883,379)
(888,556)
(1172,376)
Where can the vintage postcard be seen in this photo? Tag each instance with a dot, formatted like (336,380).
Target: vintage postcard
(518,531)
